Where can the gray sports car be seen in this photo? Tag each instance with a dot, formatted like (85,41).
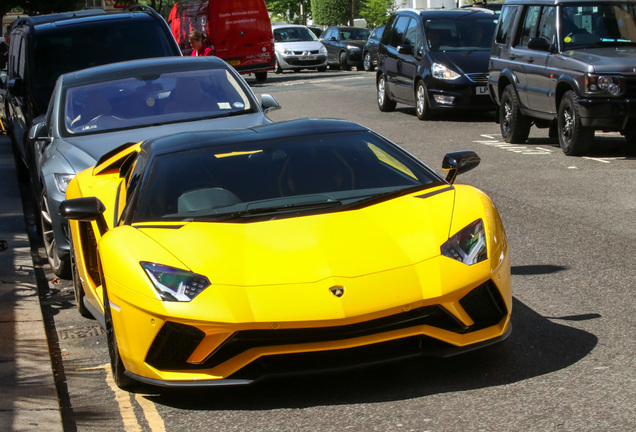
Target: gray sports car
(96,110)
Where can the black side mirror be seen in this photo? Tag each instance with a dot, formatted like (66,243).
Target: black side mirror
(85,209)
(269,103)
(405,49)
(539,44)
(456,163)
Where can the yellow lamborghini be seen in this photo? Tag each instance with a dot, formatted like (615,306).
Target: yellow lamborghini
(223,257)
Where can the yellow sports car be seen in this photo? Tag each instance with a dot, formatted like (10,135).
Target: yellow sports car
(223,257)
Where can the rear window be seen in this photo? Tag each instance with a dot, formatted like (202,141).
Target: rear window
(67,48)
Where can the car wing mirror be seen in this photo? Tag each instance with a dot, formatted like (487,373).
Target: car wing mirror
(332,39)
(539,44)
(39,132)
(405,49)
(86,209)
(269,103)
(456,163)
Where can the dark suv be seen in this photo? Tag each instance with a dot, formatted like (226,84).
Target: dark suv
(46,46)
(435,60)
(567,65)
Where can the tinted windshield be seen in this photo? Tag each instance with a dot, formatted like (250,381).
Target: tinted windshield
(143,101)
(70,48)
(590,25)
(293,34)
(466,33)
(360,34)
(312,172)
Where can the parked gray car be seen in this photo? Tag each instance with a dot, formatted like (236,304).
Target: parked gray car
(96,110)
(566,65)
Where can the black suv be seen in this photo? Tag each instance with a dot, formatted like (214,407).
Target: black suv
(567,65)
(435,60)
(46,46)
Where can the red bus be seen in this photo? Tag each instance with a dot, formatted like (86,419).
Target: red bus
(240,32)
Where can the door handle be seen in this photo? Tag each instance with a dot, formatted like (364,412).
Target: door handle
(531,60)
(512,56)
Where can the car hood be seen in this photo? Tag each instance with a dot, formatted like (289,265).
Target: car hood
(393,234)
(84,151)
(464,62)
(298,46)
(613,60)
(357,43)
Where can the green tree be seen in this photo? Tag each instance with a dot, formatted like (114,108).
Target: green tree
(331,12)
(290,11)
(376,12)
(40,7)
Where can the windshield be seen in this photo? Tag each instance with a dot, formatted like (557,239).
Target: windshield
(149,100)
(473,32)
(293,34)
(321,172)
(70,48)
(598,24)
(360,34)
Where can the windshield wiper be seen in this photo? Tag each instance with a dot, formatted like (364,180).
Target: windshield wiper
(261,209)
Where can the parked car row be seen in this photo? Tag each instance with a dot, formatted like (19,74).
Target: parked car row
(183,214)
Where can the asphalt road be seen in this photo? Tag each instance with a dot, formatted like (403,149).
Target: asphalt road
(569,364)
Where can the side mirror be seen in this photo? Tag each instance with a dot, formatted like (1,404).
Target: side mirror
(333,39)
(456,163)
(39,132)
(16,86)
(539,44)
(405,49)
(85,209)
(269,103)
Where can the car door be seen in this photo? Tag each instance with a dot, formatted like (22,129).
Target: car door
(538,81)
(391,61)
(330,42)
(409,53)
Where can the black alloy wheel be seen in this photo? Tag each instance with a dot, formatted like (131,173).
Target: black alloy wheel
(514,126)
(574,138)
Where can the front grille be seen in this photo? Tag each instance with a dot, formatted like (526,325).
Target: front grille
(314,52)
(479,78)
(176,342)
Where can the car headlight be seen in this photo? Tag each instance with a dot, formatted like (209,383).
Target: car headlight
(173,284)
(613,85)
(468,245)
(352,48)
(440,71)
(287,52)
(62,181)
(323,50)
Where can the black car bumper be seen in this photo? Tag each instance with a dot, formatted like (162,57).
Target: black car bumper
(607,114)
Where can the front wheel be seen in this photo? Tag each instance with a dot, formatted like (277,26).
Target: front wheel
(122,380)
(574,138)
(344,64)
(61,264)
(277,68)
(422,106)
(367,62)
(261,77)
(384,101)
(514,126)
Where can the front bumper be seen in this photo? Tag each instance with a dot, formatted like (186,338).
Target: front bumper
(465,94)
(607,114)
(170,350)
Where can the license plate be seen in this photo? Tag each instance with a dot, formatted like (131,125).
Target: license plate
(307,58)
(234,62)
(482,90)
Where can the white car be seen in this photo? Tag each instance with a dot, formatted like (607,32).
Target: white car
(298,48)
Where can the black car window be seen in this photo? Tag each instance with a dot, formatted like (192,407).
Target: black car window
(547,24)
(507,19)
(346,168)
(411,36)
(387,34)
(399,31)
(530,25)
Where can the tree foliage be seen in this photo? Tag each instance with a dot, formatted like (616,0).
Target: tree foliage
(289,11)
(40,7)
(331,12)
(376,12)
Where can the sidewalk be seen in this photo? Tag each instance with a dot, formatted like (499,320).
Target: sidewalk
(28,398)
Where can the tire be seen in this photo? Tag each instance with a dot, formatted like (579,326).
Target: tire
(61,264)
(261,77)
(344,65)
(78,289)
(277,68)
(384,101)
(514,126)
(574,139)
(123,381)
(422,106)
(367,63)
